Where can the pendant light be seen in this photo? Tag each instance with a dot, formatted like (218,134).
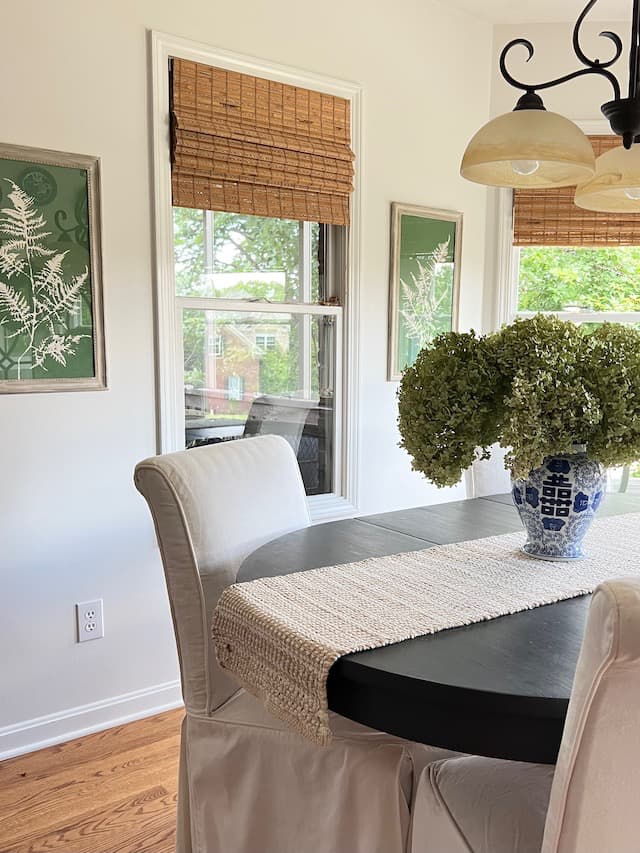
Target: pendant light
(529,147)
(535,149)
(615,187)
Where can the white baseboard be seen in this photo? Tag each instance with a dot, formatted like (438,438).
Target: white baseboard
(71,723)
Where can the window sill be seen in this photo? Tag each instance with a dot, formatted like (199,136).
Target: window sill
(330,508)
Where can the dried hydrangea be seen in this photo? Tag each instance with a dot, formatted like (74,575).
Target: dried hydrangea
(537,387)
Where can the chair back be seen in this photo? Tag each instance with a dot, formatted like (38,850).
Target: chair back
(488,476)
(595,793)
(279,416)
(212,506)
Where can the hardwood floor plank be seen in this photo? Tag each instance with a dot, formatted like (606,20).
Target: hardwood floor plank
(145,822)
(111,792)
(87,774)
(73,794)
(91,747)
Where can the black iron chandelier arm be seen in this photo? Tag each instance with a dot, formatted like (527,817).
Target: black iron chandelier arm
(634,55)
(613,37)
(594,67)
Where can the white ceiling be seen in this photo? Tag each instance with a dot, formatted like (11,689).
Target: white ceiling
(543,11)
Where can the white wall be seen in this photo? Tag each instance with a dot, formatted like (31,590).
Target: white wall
(580,99)
(71,525)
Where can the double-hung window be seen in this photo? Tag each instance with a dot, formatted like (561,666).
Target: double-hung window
(261,175)
(261,292)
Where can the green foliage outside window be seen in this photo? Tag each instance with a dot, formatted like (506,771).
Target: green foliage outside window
(275,372)
(556,279)
(241,244)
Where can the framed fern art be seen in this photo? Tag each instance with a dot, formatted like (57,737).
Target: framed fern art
(51,320)
(424,280)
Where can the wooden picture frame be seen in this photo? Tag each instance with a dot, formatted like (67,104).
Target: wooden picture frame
(424,280)
(51,306)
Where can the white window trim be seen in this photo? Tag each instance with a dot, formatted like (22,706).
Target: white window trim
(170,428)
(506,267)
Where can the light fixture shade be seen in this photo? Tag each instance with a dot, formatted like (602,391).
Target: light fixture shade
(615,187)
(558,150)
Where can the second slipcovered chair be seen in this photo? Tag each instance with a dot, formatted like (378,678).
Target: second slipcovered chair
(588,803)
(247,783)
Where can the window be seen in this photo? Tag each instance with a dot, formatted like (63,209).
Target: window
(267,149)
(585,284)
(261,333)
(267,343)
(215,344)
(235,387)
(580,265)
(262,173)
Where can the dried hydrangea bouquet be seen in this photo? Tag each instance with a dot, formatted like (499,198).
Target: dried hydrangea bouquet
(564,401)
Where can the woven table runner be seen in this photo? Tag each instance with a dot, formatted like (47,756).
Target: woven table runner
(280,635)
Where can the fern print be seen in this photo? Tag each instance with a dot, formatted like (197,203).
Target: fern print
(424,297)
(37,293)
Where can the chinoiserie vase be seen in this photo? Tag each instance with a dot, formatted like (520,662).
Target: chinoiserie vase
(557,503)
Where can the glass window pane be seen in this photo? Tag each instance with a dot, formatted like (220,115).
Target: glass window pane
(266,373)
(235,256)
(590,279)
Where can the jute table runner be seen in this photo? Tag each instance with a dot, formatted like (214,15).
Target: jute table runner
(281,635)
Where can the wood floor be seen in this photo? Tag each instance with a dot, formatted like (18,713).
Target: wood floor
(111,792)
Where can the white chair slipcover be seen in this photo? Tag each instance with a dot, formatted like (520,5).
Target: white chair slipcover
(247,783)
(279,416)
(488,476)
(589,803)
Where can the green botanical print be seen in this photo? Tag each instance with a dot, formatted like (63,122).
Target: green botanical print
(45,289)
(427,296)
(426,273)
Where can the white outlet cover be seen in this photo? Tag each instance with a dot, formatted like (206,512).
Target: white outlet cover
(89,620)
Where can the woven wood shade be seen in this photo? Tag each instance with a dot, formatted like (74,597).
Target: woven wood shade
(550,218)
(248,145)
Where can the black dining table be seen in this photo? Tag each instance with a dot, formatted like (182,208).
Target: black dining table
(498,688)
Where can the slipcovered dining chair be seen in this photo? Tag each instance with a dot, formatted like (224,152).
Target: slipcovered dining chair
(488,476)
(248,784)
(588,803)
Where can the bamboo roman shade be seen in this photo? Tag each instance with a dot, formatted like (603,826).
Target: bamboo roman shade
(550,218)
(248,145)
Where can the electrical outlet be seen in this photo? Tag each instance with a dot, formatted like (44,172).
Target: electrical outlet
(89,620)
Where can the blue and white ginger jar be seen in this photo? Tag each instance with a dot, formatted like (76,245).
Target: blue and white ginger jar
(557,503)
